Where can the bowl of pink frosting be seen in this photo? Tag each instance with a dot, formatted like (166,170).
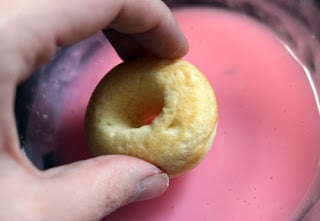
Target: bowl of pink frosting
(263,61)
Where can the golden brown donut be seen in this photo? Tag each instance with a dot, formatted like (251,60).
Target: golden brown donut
(174,92)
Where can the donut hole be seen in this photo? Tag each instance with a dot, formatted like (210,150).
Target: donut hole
(146,111)
(142,106)
(134,114)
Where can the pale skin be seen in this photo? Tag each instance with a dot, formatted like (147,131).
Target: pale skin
(31,31)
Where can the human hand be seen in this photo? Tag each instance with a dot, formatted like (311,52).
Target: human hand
(31,31)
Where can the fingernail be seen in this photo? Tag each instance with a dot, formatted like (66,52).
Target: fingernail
(152,186)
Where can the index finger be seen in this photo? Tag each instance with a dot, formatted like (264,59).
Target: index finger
(148,24)
(32,30)
(151,28)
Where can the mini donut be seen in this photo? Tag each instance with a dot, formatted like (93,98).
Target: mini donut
(173,92)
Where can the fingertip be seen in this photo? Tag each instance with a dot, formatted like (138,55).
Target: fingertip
(160,35)
(164,41)
(182,48)
(152,186)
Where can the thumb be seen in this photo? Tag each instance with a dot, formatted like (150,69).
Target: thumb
(92,189)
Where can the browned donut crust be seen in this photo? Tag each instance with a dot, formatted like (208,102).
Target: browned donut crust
(175,92)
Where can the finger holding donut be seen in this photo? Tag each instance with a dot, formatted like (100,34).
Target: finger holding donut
(31,32)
